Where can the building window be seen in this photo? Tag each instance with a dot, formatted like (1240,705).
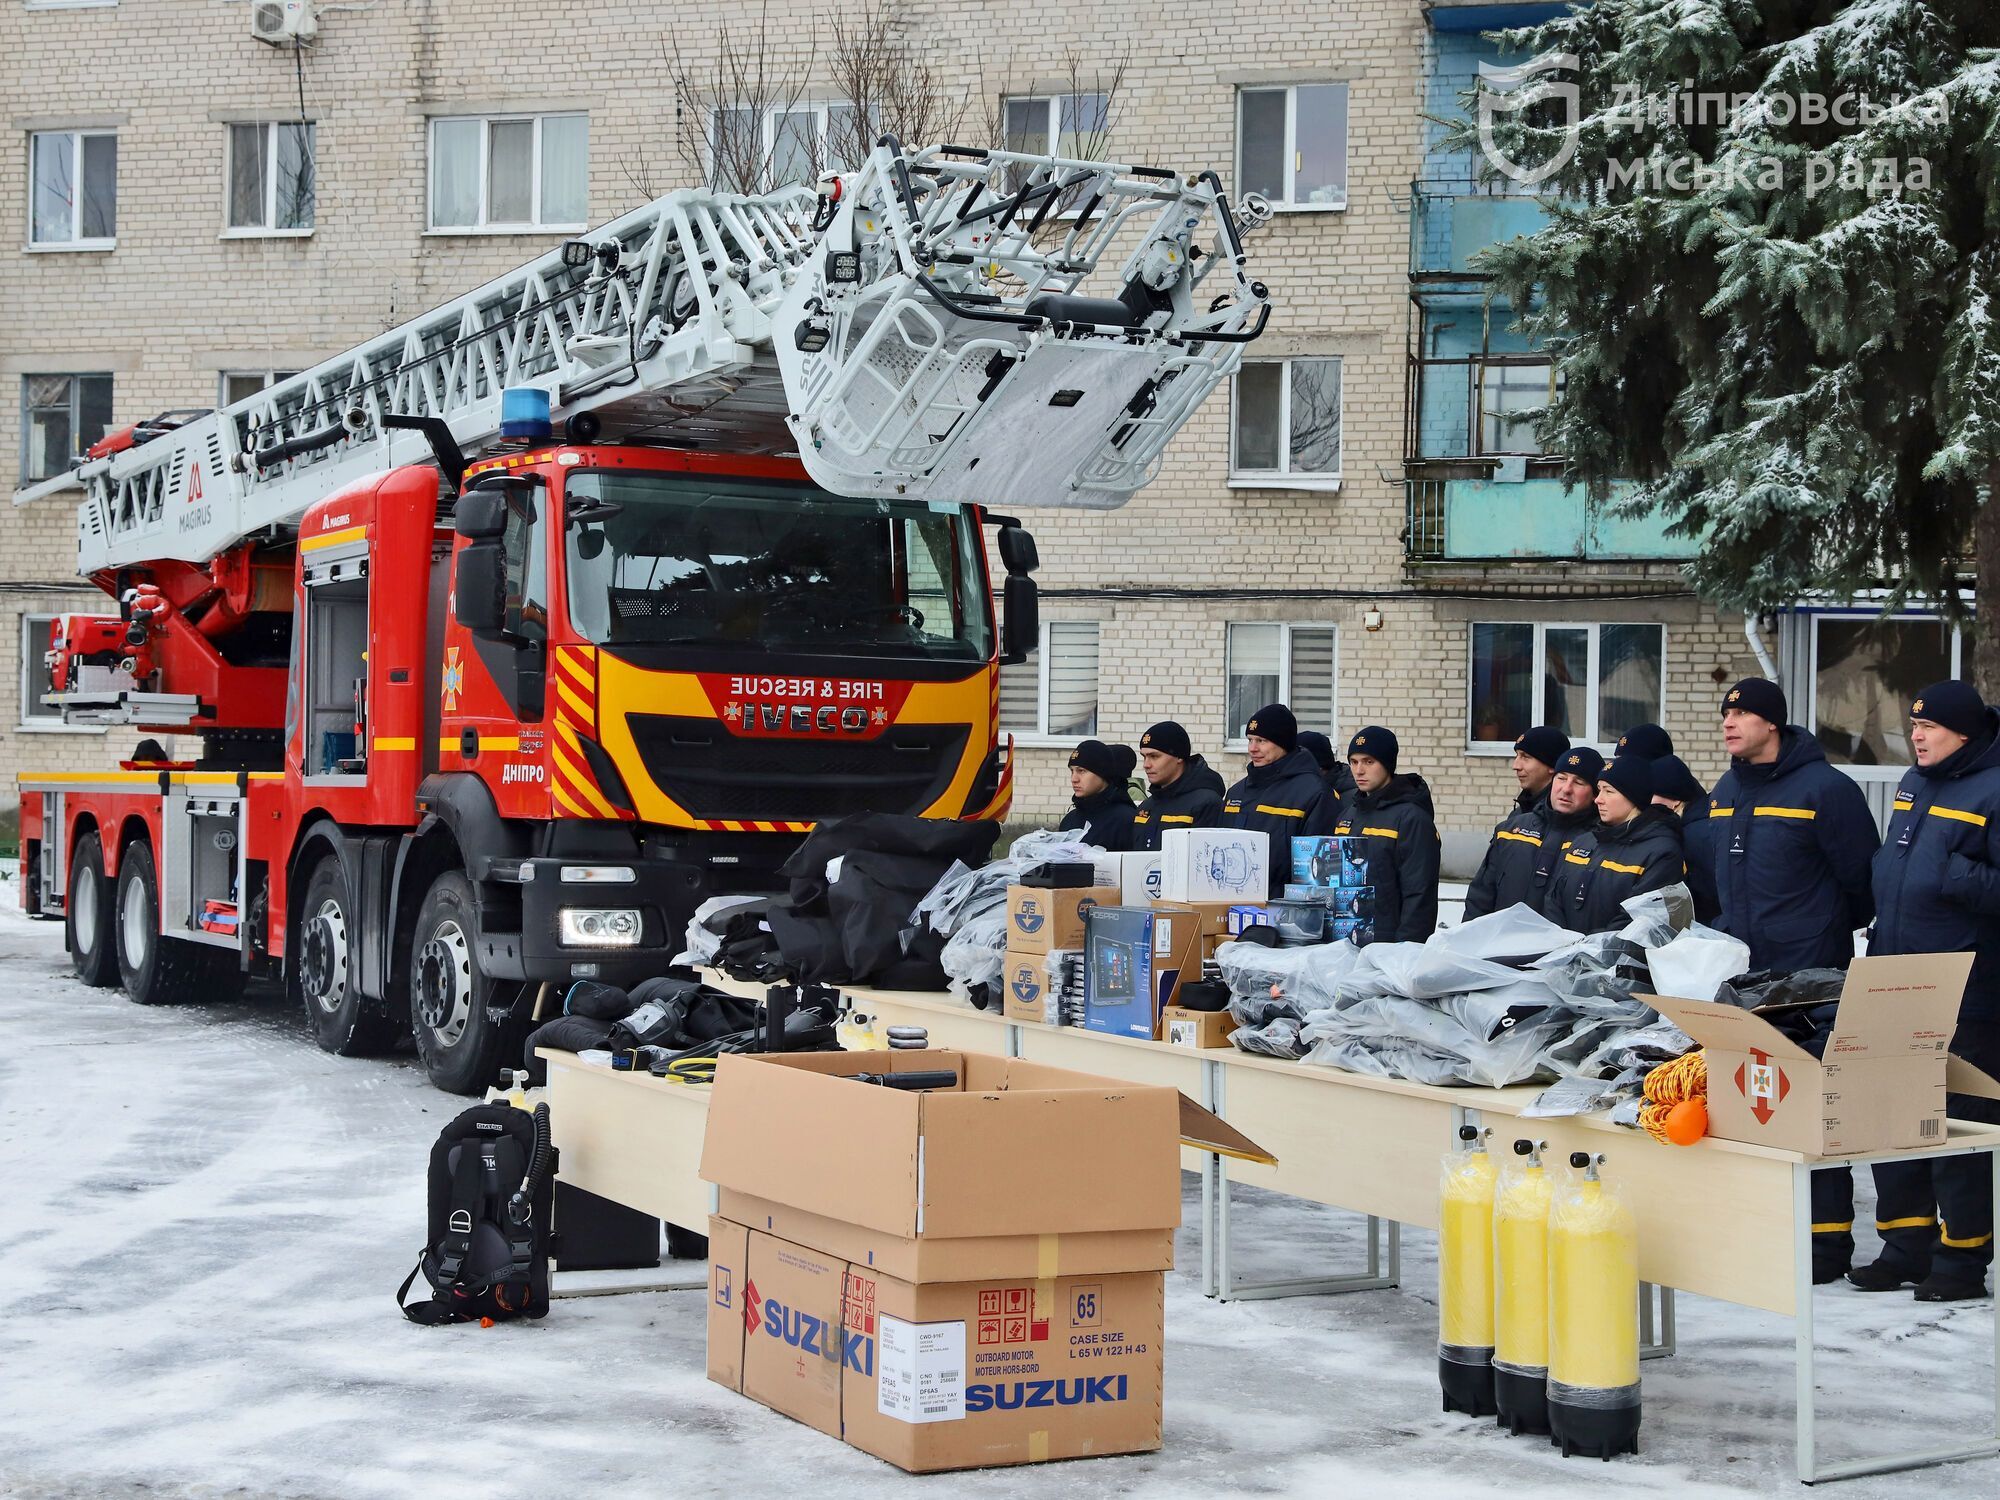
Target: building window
(1052,696)
(272,182)
(1865,671)
(233,386)
(792,144)
(1074,126)
(1507,398)
(1280,663)
(525,172)
(61,415)
(34,681)
(1593,682)
(75,189)
(1291,145)
(1287,421)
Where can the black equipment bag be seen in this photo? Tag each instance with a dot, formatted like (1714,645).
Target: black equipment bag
(492,1181)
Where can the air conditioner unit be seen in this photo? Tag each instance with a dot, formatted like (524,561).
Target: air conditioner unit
(283,23)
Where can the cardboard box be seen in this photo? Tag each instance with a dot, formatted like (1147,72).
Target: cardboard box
(1211,917)
(1138,878)
(1241,917)
(1135,960)
(1214,864)
(1039,920)
(972,1288)
(1196,1028)
(1024,981)
(1881,1084)
(939,1375)
(1328,863)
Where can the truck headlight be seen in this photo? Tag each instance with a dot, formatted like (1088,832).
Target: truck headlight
(593,927)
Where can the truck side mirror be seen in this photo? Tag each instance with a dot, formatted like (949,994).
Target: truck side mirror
(1017,551)
(481,512)
(1021,622)
(479,588)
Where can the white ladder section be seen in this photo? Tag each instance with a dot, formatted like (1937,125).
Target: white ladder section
(613,335)
(941,324)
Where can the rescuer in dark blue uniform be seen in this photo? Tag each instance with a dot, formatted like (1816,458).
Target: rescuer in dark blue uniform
(1101,807)
(1281,791)
(1506,876)
(1184,792)
(1937,890)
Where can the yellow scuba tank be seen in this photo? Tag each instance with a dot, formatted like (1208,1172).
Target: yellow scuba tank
(1521,1291)
(1593,1317)
(1465,1277)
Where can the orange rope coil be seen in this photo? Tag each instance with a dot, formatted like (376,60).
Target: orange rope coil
(1676,1107)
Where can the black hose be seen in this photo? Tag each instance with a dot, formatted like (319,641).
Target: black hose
(524,1196)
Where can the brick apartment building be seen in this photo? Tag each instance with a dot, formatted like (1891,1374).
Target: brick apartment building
(1361,528)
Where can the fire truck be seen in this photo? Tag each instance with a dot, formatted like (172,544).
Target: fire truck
(512,634)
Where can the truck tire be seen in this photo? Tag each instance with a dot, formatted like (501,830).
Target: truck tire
(160,970)
(87,915)
(322,978)
(459,1043)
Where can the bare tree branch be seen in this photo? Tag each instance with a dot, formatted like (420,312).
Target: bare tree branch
(731,108)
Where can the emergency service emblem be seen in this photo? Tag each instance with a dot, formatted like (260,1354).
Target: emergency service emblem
(454,680)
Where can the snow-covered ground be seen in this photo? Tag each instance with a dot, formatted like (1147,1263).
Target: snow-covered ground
(203,1217)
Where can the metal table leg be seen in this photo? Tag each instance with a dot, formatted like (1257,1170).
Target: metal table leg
(1656,1327)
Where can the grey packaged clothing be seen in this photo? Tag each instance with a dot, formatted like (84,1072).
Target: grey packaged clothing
(1401,846)
(1607,865)
(1103,819)
(1192,800)
(1785,848)
(1280,800)
(1521,860)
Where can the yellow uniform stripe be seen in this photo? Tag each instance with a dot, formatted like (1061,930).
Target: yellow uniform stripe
(1281,812)
(1716,809)
(1833,1228)
(1920,1221)
(1519,838)
(1176,817)
(1958,815)
(1944,1238)
(1785,812)
(1612,864)
(1576,859)
(1380,833)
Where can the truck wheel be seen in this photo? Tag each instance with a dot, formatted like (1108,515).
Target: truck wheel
(87,915)
(157,970)
(324,980)
(458,1042)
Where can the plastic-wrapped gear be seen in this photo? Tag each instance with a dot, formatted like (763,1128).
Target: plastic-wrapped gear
(977,952)
(1513,934)
(1488,1013)
(1696,963)
(962,895)
(1276,1038)
(1418,971)
(1308,978)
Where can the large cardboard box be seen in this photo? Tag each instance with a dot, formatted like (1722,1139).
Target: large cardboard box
(1135,961)
(980,1284)
(1214,864)
(1138,878)
(1024,981)
(1039,919)
(1881,1083)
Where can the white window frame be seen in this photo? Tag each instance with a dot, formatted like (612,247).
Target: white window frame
(767,128)
(1040,736)
(1051,133)
(1233,738)
(1481,369)
(1538,709)
(1913,617)
(75,417)
(1327,482)
(267,230)
(69,4)
(62,247)
(269,377)
(486,124)
(1289,205)
(33,627)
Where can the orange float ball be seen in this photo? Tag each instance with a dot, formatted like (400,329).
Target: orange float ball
(1687,1122)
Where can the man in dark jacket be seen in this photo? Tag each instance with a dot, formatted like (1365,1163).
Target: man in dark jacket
(1393,817)
(1183,791)
(1527,843)
(1507,873)
(1332,769)
(1635,848)
(1100,804)
(1785,840)
(1281,791)
(1937,890)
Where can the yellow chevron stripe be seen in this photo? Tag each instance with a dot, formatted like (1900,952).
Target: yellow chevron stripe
(578,676)
(1805,813)
(1958,815)
(573,701)
(568,803)
(585,790)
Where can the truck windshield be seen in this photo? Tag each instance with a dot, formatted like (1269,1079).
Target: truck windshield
(695,560)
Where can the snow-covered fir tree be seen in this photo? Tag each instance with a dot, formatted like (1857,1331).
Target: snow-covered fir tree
(1771,280)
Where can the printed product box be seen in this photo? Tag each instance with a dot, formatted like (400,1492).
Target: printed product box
(1135,960)
(1330,863)
(1196,1028)
(1039,920)
(1001,1306)
(1241,917)
(1214,864)
(1881,1082)
(1029,995)
(1138,879)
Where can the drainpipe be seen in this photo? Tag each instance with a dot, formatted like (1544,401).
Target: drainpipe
(1756,639)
